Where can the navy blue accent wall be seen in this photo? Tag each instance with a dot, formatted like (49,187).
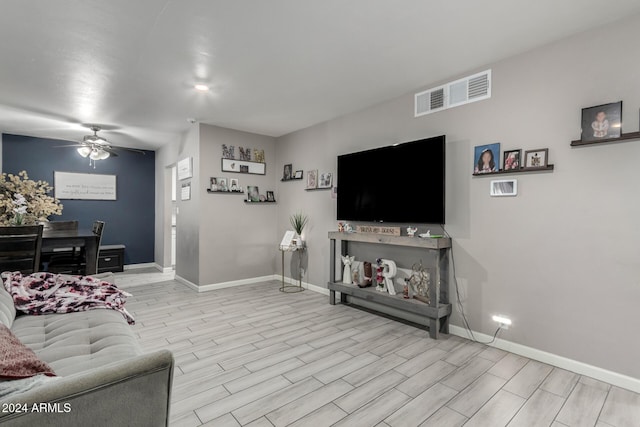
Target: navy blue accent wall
(129,220)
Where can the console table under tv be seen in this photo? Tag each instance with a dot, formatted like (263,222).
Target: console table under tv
(437,311)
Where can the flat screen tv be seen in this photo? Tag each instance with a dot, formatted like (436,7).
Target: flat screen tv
(402,183)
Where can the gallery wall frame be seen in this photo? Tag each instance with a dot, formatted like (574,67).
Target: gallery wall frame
(244,166)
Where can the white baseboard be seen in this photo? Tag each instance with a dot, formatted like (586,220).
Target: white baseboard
(142,265)
(581,368)
(222,285)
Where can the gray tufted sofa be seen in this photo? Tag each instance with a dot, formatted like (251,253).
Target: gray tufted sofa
(105,377)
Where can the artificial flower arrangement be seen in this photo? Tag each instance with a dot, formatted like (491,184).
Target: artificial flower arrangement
(25,201)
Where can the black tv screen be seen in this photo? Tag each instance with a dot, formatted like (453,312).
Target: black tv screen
(402,183)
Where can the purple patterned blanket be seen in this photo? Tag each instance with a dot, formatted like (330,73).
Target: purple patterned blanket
(47,293)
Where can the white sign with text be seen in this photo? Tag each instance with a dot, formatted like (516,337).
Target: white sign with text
(84,186)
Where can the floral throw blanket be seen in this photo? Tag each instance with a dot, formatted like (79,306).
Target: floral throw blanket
(47,293)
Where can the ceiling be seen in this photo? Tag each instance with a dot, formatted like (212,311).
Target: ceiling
(272,66)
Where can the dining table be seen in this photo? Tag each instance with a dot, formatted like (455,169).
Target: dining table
(56,239)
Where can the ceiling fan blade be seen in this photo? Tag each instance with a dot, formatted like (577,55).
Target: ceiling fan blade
(131,150)
(70,145)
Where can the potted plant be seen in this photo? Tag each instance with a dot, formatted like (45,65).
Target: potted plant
(298,222)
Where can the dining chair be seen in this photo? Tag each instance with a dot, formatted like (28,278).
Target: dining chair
(20,248)
(47,256)
(77,262)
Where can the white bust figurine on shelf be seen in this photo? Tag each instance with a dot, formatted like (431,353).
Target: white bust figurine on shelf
(346,274)
(411,231)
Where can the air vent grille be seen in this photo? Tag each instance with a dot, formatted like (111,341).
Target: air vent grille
(463,91)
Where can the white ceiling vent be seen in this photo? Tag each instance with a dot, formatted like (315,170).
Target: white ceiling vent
(464,91)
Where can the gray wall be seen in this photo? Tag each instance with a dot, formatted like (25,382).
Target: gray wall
(237,240)
(219,237)
(561,259)
(188,218)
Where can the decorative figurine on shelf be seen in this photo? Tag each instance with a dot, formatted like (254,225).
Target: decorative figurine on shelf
(411,231)
(419,282)
(355,275)
(348,228)
(426,235)
(346,274)
(389,271)
(340,227)
(379,276)
(368,274)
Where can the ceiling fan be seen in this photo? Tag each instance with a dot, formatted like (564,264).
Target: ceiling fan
(98,148)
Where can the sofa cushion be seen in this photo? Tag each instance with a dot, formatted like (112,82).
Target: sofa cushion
(76,342)
(17,360)
(7,309)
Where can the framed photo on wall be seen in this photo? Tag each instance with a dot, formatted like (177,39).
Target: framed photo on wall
(270,196)
(602,122)
(253,194)
(511,160)
(286,173)
(536,158)
(312,179)
(486,158)
(504,188)
(298,175)
(326,180)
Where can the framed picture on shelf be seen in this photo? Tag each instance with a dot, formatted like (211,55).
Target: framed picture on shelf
(270,196)
(326,180)
(223,184)
(504,188)
(253,194)
(213,185)
(312,179)
(536,158)
(486,158)
(243,166)
(602,122)
(234,184)
(298,175)
(286,173)
(511,160)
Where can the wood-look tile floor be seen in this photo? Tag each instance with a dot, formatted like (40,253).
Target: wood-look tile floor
(253,356)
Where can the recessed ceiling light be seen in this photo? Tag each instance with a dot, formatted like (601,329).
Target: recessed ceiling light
(201,87)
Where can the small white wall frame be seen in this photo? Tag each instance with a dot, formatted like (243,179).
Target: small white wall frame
(504,188)
(84,186)
(243,166)
(185,169)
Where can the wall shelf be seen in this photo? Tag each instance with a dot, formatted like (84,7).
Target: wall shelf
(266,202)
(547,168)
(224,192)
(318,189)
(290,179)
(623,138)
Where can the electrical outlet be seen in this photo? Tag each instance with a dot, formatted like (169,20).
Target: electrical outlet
(502,321)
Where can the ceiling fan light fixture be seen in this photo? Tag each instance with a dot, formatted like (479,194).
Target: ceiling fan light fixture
(84,151)
(104,154)
(201,87)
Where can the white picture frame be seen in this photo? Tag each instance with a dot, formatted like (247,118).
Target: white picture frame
(84,186)
(243,166)
(325,180)
(185,169)
(504,188)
